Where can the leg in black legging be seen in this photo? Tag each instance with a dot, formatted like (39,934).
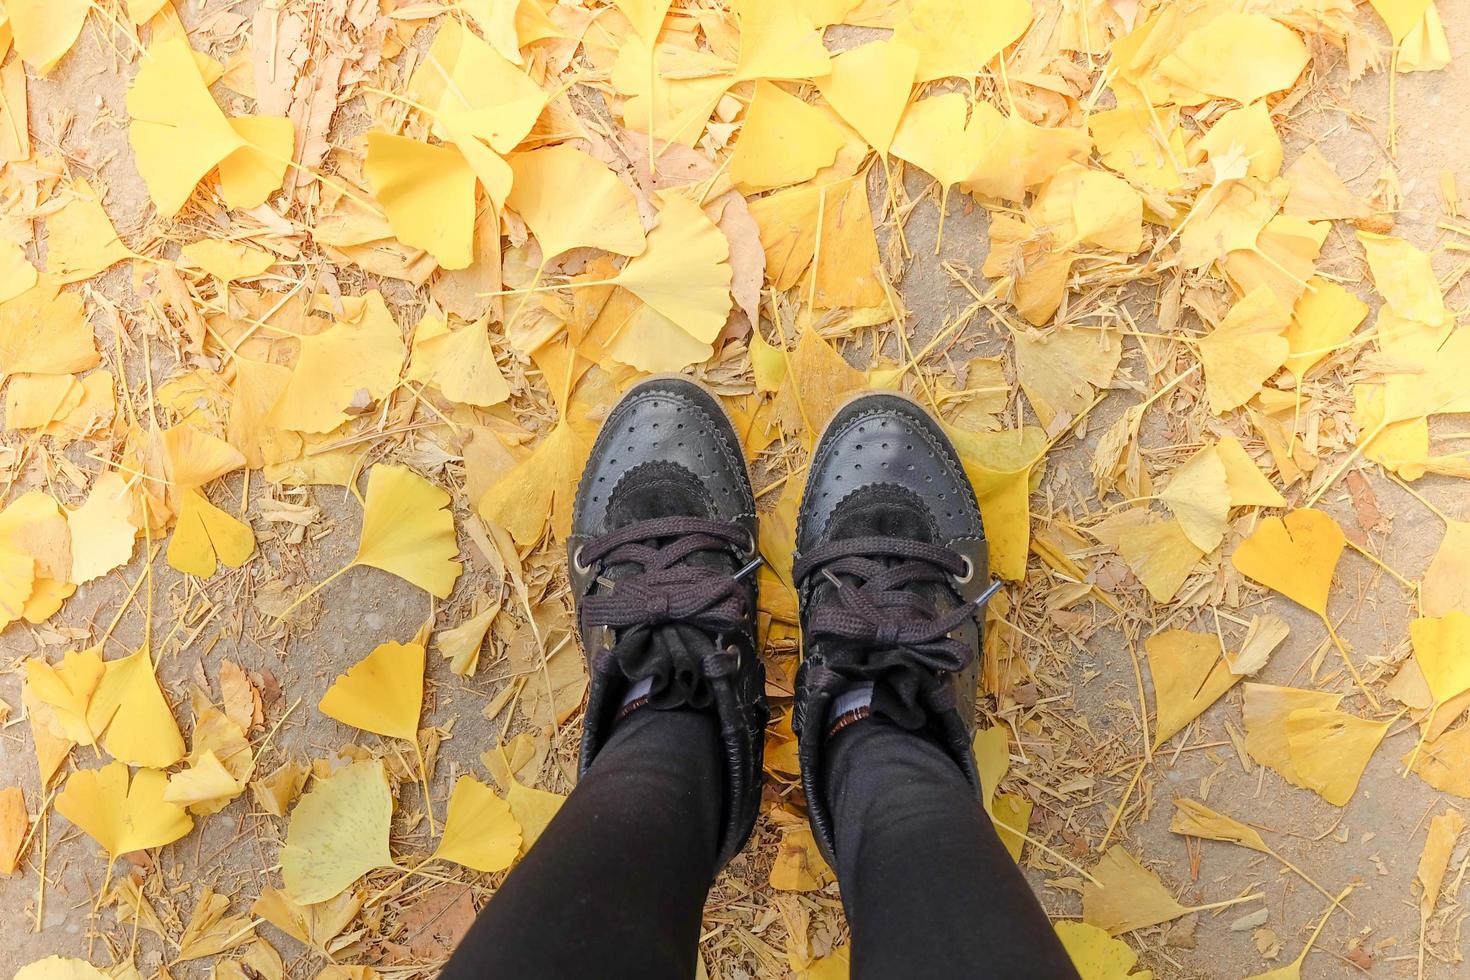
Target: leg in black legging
(930,890)
(616,885)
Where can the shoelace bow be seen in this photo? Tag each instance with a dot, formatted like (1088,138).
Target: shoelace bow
(667,591)
(882,628)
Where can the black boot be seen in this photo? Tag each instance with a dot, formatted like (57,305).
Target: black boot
(662,562)
(891,571)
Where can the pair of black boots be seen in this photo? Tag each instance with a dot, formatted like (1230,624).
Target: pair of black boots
(890,565)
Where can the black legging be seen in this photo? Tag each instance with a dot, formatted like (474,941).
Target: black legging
(616,884)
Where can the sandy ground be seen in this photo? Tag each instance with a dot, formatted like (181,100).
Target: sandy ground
(1374,842)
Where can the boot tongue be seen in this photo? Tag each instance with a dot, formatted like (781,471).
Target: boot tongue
(657,489)
(673,656)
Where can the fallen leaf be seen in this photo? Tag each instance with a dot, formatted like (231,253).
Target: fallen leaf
(428,194)
(102,530)
(338,833)
(206,535)
(603,213)
(361,353)
(1190,673)
(1123,895)
(479,832)
(1295,555)
(953,37)
(684,273)
(120,814)
(869,87)
(1330,749)
(783,141)
(177,133)
(1245,350)
(1096,955)
(382,693)
(14,820)
(44,31)
(1198,494)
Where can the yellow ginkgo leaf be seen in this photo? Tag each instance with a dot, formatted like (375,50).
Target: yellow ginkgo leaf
(68,688)
(60,968)
(869,87)
(1248,129)
(120,815)
(382,693)
(479,832)
(651,342)
(361,354)
(45,30)
(1439,844)
(1244,351)
(1266,709)
(1161,555)
(1295,555)
(177,132)
(1446,583)
(258,385)
(204,782)
(684,274)
(1318,193)
(944,138)
(460,362)
(81,240)
(228,261)
(195,457)
(1060,371)
(461,644)
(1442,648)
(16,272)
(428,194)
(1023,155)
(1330,749)
(1199,496)
(17,582)
(799,865)
(206,533)
(32,524)
(1400,16)
(338,833)
(45,331)
(1123,895)
(102,530)
(778,41)
(476,94)
(783,141)
(959,37)
(1404,278)
(540,488)
(1237,56)
(408,530)
(533,810)
(1189,674)
(1144,145)
(1000,467)
(128,702)
(602,214)
(142,11)
(255,171)
(1323,318)
(646,16)
(1096,955)
(1248,486)
(1192,818)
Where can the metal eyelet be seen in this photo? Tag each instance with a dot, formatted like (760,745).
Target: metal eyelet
(751,547)
(577,565)
(969,571)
